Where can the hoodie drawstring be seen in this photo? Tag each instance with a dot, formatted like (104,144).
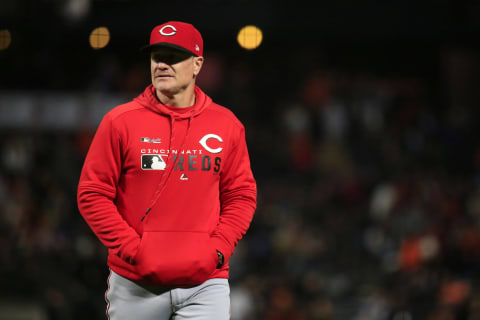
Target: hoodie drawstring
(163,182)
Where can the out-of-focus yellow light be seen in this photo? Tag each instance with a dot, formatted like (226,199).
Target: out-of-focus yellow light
(250,37)
(5,39)
(99,37)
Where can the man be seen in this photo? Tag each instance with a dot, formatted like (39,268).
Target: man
(170,229)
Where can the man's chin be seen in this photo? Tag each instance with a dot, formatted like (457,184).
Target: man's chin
(162,87)
(168,91)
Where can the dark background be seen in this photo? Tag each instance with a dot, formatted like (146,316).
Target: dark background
(361,121)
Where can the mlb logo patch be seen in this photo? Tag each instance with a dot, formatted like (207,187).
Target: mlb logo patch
(153,162)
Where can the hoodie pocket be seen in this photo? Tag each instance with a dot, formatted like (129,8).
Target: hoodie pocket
(176,258)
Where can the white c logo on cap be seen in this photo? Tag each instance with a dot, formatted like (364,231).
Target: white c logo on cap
(203,142)
(171,33)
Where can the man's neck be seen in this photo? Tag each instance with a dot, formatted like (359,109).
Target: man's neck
(184,99)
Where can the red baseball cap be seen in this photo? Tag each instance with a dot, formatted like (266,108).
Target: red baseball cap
(178,35)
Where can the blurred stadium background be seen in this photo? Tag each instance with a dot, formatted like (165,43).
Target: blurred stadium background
(362,125)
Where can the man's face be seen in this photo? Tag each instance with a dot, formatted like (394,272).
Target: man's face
(173,70)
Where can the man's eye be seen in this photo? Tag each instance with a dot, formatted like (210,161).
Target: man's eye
(159,58)
(164,58)
(169,58)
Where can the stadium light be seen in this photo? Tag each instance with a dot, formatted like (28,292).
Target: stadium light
(5,39)
(250,37)
(99,38)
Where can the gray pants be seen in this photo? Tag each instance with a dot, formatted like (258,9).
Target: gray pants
(129,300)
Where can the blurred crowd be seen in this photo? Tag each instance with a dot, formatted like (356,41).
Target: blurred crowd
(368,193)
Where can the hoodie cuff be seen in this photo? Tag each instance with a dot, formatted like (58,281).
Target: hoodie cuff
(128,251)
(223,247)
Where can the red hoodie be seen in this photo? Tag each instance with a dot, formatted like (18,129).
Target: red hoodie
(164,188)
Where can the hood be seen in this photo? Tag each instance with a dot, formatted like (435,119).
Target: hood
(149,100)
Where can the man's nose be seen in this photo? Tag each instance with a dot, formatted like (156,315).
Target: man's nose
(161,66)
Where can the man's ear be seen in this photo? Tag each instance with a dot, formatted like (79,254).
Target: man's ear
(197,65)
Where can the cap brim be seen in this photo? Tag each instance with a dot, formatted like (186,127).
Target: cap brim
(149,47)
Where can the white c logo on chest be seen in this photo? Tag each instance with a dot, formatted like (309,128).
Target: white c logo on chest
(203,142)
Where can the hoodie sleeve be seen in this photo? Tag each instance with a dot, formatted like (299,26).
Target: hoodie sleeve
(97,191)
(238,193)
